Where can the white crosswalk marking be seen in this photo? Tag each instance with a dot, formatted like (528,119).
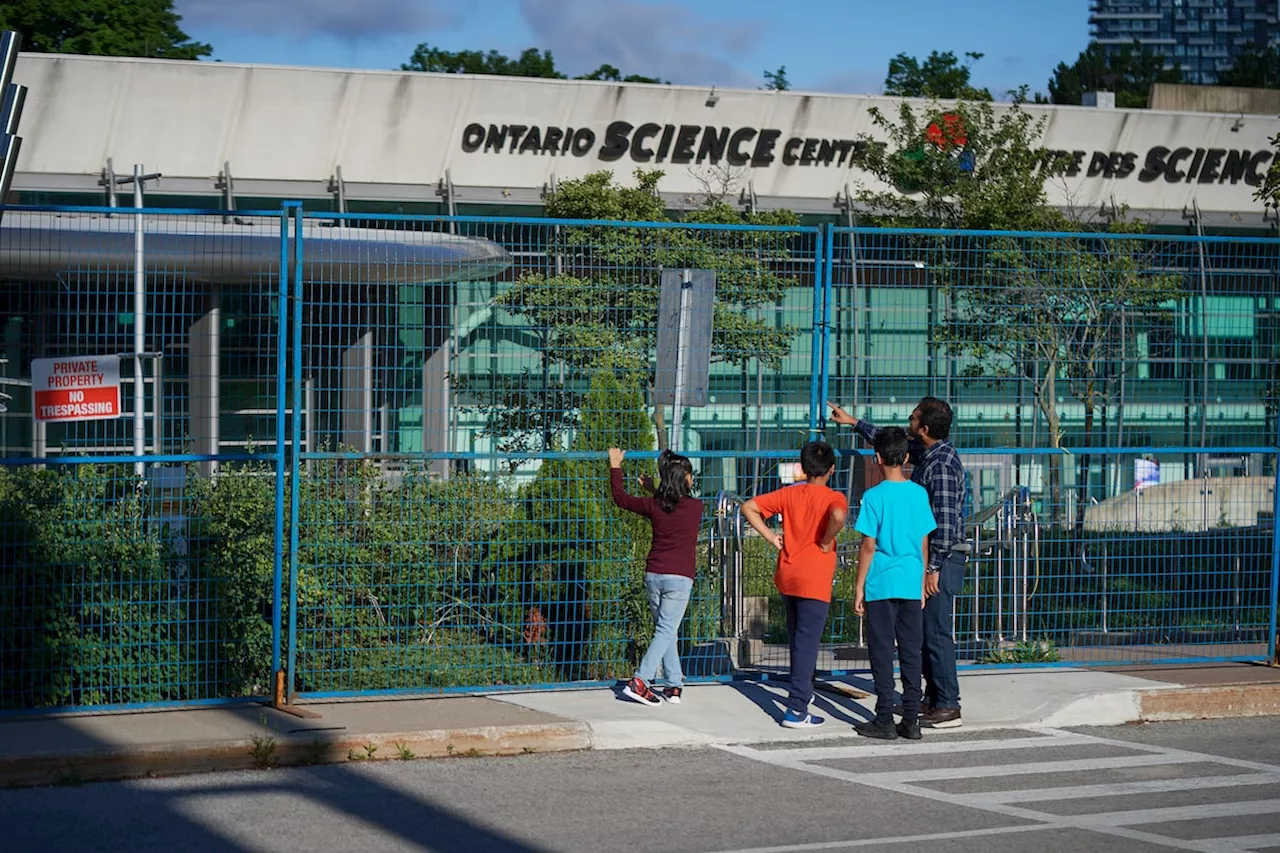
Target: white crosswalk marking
(1030,769)
(1153,786)
(1137,824)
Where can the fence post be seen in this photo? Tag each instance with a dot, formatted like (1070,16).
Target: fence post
(1273,654)
(819,289)
(282,349)
(295,456)
(828,275)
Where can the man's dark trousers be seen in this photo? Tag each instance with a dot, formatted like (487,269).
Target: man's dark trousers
(806,619)
(901,620)
(942,687)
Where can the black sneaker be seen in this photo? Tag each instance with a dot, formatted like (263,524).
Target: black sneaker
(879,731)
(910,731)
(672,694)
(638,691)
(899,711)
(941,718)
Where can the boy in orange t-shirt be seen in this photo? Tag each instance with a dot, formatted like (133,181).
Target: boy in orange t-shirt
(812,515)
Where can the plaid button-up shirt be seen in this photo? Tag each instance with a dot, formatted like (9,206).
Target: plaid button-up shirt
(939,471)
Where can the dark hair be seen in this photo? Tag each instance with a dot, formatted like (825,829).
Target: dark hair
(673,479)
(891,444)
(936,415)
(816,458)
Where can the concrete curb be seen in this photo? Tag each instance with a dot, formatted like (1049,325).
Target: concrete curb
(1168,704)
(1209,703)
(69,768)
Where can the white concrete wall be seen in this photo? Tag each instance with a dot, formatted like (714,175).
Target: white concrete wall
(389,129)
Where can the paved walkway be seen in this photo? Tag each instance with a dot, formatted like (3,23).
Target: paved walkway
(70,748)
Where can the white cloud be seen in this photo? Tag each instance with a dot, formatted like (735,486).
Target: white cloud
(666,40)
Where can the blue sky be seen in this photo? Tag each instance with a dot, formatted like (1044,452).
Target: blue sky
(826,45)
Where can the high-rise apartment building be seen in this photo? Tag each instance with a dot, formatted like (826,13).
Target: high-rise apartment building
(1202,36)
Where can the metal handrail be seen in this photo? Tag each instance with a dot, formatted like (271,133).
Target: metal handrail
(1017,536)
(725,553)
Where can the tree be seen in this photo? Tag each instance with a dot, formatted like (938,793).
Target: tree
(1255,68)
(940,76)
(777,81)
(101,28)
(594,305)
(582,556)
(1052,310)
(1127,70)
(610,73)
(1269,192)
(530,63)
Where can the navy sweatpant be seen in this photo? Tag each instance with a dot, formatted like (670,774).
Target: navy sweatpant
(806,619)
(901,621)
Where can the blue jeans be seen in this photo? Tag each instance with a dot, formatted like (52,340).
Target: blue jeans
(668,598)
(942,686)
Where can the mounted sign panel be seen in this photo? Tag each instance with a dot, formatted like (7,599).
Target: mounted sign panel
(80,388)
(693,359)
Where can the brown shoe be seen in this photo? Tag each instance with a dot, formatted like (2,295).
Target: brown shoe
(941,718)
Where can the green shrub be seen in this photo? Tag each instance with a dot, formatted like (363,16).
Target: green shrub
(94,609)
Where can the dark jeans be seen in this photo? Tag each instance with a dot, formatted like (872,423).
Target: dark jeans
(942,687)
(806,618)
(900,620)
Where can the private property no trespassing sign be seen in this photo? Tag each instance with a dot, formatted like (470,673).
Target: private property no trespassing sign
(80,388)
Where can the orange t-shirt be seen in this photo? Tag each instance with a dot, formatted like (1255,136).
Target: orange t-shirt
(803,570)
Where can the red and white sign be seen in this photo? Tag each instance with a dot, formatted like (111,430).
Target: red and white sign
(81,388)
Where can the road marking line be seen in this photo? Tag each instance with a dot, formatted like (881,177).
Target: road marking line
(902,839)
(1194,756)
(900,784)
(983,771)
(897,748)
(1153,786)
(1245,843)
(1137,817)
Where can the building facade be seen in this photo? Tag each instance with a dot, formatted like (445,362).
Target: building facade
(416,369)
(1204,37)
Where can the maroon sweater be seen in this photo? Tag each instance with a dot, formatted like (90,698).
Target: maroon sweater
(674,550)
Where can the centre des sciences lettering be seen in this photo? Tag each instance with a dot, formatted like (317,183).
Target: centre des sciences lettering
(761,148)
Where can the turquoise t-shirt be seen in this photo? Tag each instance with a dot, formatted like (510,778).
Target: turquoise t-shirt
(898,516)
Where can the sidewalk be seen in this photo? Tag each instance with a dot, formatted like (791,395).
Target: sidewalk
(72,748)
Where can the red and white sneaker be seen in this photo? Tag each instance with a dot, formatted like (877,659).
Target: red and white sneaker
(672,694)
(637,691)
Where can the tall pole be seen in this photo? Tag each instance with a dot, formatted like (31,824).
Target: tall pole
(139,317)
(139,323)
(677,407)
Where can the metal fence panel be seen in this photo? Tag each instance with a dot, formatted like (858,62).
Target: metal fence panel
(1124,387)
(131,574)
(439,416)
(454,523)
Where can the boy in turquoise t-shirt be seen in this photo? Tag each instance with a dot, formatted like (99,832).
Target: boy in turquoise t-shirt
(895,522)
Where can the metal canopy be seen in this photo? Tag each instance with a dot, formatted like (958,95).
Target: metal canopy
(43,247)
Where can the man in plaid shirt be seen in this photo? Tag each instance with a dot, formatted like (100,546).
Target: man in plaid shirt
(937,468)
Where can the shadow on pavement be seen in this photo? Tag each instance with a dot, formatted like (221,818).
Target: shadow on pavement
(193,813)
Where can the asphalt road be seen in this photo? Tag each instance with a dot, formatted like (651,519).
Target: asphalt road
(1205,786)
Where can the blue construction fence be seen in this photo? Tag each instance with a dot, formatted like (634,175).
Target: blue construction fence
(365,453)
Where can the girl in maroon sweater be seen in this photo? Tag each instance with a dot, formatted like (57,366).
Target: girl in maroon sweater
(668,576)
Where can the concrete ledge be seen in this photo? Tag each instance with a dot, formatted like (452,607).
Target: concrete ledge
(69,768)
(1112,708)
(1209,703)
